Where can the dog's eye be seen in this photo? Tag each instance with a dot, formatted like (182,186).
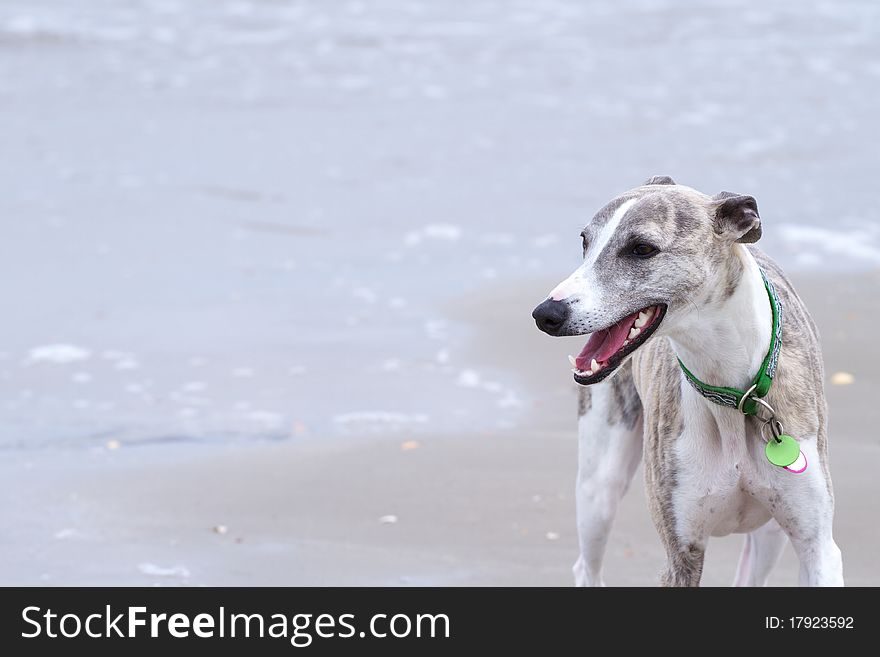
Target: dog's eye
(642,250)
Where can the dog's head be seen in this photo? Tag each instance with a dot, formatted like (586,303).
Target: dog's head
(648,254)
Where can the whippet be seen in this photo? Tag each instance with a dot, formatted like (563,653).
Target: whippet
(709,361)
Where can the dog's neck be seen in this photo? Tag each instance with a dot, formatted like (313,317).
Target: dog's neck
(725,337)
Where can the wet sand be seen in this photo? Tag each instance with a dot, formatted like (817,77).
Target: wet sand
(487,508)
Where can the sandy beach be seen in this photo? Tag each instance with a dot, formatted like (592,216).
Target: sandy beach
(487,508)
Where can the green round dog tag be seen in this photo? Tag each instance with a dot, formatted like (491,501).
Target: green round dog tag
(782,453)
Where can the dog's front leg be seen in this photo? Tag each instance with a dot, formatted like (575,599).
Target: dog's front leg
(609,451)
(804,508)
(684,564)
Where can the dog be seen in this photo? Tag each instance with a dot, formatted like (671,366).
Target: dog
(673,293)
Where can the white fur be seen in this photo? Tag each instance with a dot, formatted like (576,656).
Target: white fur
(607,231)
(582,282)
(608,456)
(738,331)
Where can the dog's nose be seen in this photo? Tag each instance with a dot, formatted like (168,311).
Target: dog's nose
(551,315)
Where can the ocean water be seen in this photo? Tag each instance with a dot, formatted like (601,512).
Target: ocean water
(236,220)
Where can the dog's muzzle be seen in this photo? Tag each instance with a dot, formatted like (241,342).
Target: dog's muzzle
(551,316)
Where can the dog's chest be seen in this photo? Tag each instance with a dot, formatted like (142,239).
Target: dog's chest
(738,512)
(720,498)
(720,484)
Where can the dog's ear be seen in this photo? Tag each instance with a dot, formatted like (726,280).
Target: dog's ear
(736,217)
(659,180)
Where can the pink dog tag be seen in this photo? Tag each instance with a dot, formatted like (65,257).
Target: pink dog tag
(799,465)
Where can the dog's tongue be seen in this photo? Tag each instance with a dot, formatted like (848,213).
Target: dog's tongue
(604,344)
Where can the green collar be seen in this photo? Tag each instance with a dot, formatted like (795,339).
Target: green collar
(743,400)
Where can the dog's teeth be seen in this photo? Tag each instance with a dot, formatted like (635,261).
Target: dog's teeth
(571,359)
(633,332)
(625,342)
(594,366)
(588,373)
(642,319)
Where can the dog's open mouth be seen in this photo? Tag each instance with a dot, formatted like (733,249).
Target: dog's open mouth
(607,348)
